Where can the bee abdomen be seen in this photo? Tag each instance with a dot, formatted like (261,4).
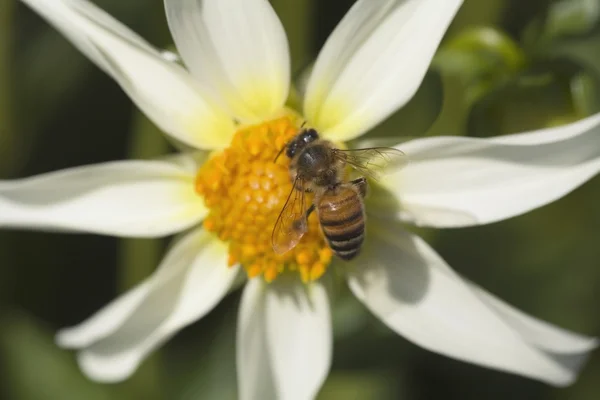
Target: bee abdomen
(343,224)
(346,240)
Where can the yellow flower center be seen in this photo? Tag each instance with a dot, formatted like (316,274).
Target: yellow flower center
(245,190)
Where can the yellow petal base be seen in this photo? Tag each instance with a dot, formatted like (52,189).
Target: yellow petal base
(245,191)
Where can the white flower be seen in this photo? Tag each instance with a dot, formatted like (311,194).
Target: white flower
(238,80)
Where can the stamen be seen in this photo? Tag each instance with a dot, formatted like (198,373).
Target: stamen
(245,191)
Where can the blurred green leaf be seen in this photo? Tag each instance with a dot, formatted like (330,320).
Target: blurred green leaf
(585,94)
(564,18)
(583,51)
(482,58)
(36,369)
(472,64)
(548,94)
(485,48)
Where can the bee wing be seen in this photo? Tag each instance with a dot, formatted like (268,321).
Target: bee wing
(292,222)
(374,161)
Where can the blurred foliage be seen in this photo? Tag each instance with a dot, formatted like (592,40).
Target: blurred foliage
(37,369)
(504,66)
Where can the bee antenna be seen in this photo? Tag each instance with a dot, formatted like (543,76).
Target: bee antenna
(303,124)
(278,154)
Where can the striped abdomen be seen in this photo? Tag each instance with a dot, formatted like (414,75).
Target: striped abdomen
(342,219)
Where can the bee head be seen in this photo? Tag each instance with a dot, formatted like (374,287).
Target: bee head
(300,141)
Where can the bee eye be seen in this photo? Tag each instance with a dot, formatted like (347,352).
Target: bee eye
(291,150)
(310,135)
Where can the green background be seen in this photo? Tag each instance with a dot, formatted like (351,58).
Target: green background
(505,66)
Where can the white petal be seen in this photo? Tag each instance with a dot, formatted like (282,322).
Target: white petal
(254,370)
(458,181)
(190,281)
(105,321)
(551,135)
(539,333)
(284,340)
(373,63)
(235,48)
(299,336)
(160,88)
(122,198)
(414,292)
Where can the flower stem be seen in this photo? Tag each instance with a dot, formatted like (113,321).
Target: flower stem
(7,133)
(297,17)
(139,257)
(7,128)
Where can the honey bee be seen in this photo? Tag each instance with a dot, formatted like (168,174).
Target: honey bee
(317,166)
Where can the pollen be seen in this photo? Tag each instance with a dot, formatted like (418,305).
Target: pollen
(245,190)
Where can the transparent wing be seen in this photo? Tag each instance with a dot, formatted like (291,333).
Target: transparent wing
(292,222)
(373,162)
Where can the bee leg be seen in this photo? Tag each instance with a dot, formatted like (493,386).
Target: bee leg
(302,221)
(361,184)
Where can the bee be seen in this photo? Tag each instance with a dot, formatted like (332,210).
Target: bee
(318,167)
